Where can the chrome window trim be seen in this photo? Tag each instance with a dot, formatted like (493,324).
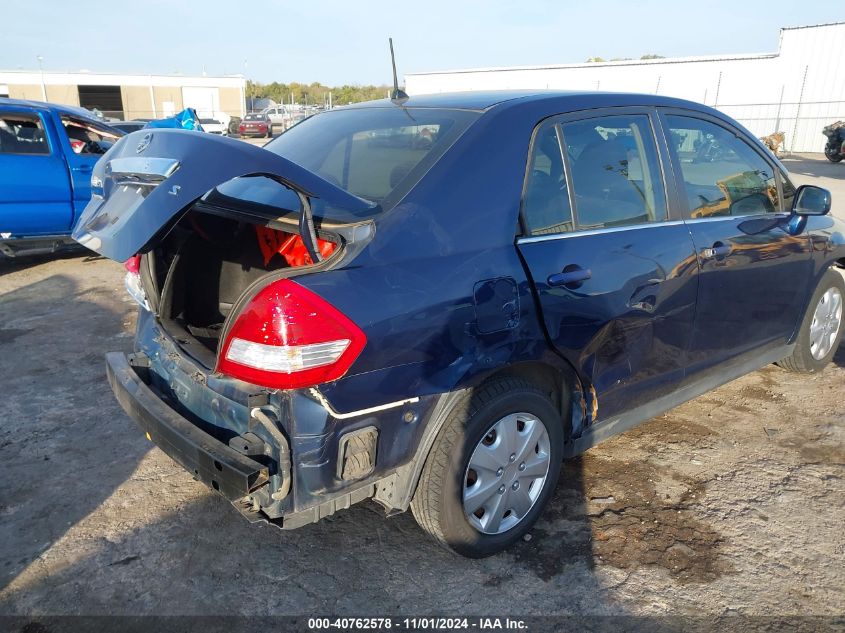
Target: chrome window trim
(610,229)
(725,218)
(643,225)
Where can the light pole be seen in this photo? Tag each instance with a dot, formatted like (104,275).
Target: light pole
(246,92)
(41,70)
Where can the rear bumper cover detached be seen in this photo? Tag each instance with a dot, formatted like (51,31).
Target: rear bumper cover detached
(220,467)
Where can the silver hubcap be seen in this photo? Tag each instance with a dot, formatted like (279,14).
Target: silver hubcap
(506,473)
(826,321)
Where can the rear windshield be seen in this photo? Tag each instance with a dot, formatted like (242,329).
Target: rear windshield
(254,117)
(374,153)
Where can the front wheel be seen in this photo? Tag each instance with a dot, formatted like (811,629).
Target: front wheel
(492,469)
(821,329)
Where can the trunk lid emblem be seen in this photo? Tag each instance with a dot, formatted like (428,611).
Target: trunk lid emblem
(145,143)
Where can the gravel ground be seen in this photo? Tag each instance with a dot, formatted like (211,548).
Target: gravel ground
(732,503)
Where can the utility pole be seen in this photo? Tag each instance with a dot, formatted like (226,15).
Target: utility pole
(246,91)
(41,70)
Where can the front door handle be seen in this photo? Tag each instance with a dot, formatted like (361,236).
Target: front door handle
(85,169)
(717,251)
(572,277)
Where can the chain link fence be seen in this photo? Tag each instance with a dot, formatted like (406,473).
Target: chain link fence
(800,122)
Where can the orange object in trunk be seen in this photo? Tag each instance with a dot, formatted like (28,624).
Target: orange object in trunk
(288,245)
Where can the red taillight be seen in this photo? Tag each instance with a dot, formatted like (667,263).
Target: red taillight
(133,264)
(288,338)
(132,281)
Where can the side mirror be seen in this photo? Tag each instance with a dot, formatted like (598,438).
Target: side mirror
(811,200)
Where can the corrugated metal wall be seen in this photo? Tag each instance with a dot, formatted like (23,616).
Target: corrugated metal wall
(797,91)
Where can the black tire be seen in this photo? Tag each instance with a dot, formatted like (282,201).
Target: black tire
(801,360)
(438,501)
(832,155)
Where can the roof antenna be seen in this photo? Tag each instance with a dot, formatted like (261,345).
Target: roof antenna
(397,96)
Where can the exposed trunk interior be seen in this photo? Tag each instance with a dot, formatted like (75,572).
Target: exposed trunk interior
(207,262)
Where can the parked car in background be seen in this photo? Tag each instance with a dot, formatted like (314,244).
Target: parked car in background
(433,302)
(128,126)
(276,114)
(214,126)
(47,153)
(256,124)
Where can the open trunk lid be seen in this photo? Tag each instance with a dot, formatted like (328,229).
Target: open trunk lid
(149,178)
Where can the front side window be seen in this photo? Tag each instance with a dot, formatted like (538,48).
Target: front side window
(722,174)
(22,134)
(86,137)
(788,190)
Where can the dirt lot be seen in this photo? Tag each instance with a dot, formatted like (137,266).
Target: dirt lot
(732,503)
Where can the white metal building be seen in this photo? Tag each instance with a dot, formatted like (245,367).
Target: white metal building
(797,90)
(128,96)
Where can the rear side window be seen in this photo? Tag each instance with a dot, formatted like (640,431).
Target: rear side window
(545,205)
(374,153)
(722,174)
(614,175)
(22,134)
(615,171)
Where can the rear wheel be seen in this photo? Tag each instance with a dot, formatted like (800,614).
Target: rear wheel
(492,468)
(832,154)
(821,329)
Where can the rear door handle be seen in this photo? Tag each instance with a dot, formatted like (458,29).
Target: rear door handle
(571,277)
(716,251)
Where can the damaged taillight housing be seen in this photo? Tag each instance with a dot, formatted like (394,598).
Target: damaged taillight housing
(132,281)
(287,337)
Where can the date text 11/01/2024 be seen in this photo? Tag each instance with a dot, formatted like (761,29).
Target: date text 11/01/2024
(421,623)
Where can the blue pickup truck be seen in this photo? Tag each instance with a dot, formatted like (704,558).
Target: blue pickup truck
(47,153)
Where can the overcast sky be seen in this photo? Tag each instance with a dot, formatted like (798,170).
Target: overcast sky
(337,42)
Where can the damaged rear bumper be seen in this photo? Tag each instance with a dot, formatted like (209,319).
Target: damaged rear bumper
(219,466)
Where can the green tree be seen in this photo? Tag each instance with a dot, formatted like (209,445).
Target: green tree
(315,92)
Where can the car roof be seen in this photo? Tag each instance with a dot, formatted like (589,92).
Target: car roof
(567,99)
(55,107)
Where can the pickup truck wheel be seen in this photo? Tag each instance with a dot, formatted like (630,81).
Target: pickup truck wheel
(492,468)
(821,329)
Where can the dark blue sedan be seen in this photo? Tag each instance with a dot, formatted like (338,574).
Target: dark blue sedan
(433,301)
